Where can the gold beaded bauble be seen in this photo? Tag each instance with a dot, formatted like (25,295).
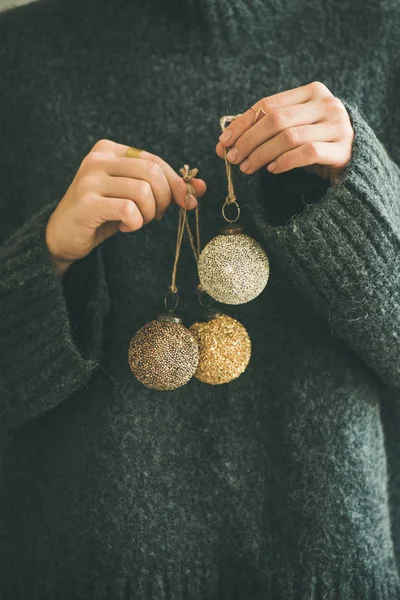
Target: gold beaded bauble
(233,267)
(225,348)
(163,354)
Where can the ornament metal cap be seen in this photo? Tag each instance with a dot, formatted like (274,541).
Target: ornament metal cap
(232,229)
(169,318)
(211,313)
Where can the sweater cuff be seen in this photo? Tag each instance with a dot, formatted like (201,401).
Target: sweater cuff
(43,359)
(343,251)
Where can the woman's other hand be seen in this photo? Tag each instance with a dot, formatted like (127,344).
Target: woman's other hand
(303,127)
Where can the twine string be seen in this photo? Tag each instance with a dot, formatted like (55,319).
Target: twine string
(224,122)
(187,174)
(179,237)
(195,241)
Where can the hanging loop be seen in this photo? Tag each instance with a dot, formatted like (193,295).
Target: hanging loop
(171,300)
(231,199)
(203,298)
(227,120)
(227,203)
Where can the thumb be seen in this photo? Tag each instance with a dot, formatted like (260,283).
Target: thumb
(200,187)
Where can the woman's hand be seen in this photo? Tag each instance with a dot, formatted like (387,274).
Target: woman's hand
(303,127)
(111,192)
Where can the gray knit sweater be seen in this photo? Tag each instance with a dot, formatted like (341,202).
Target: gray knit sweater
(285,483)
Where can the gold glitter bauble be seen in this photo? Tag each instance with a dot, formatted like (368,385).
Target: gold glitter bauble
(225,349)
(163,355)
(233,269)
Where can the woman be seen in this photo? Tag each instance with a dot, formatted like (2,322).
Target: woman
(283,483)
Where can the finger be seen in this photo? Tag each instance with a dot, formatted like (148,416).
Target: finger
(177,185)
(175,181)
(136,186)
(131,169)
(96,210)
(138,168)
(141,192)
(321,153)
(107,146)
(286,140)
(297,95)
(273,123)
(200,187)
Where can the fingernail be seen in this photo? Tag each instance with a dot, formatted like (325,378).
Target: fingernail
(225,137)
(244,166)
(192,202)
(232,154)
(272,166)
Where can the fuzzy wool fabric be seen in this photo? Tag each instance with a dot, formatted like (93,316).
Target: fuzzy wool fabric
(285,483)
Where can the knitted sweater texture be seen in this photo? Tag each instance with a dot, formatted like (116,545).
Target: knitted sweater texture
(285,483)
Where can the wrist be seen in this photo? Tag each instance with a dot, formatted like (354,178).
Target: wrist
(60,263)
(60,266)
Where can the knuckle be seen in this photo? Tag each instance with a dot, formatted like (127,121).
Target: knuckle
(318,87)
(267,103)
(158,161)
(292,136)
(311,150)
(334,104)
(126,210)
(144,189)
(87,184)
(277,118)
(255,158)
(244,142)
(87,200)
(152,169)
(129,214)
(93,160)
(332,101)
(103,145)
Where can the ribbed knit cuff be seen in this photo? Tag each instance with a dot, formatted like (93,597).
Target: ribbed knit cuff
(41,360)
(343,251)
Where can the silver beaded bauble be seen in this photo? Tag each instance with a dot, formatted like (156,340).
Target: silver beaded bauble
(163,354)
(233,267)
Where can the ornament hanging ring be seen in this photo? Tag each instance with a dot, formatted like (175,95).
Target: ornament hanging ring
(203,298)
(169,295)
(227,203)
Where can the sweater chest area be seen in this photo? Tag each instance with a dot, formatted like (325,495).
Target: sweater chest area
(223,473)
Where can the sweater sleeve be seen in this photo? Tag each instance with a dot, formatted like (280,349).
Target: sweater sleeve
(343,252)
(44,355)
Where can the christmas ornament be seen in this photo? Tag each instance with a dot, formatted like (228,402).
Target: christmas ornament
(225,348)
(163,354)
(224,344)
(233,267)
